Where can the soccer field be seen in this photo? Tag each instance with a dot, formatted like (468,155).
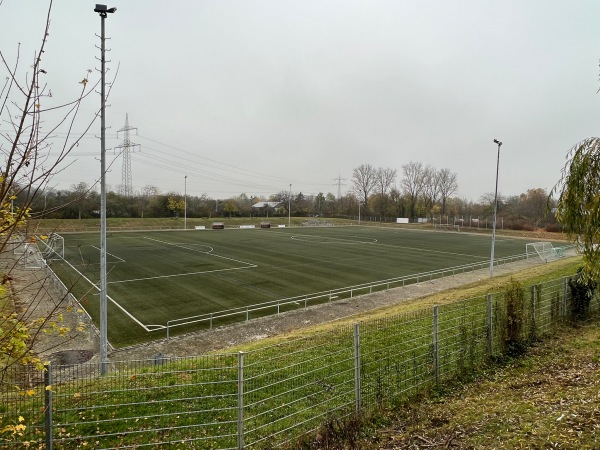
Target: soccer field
(157,277)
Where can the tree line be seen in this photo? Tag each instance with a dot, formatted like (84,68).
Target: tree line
(423,192)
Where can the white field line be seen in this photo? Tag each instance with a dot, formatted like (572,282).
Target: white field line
(127,313)
(248,265)
(114,256)
(182,274)
(375,242)
(199,251)
(432,251)
(329,240)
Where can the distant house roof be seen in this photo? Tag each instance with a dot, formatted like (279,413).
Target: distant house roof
(263,204)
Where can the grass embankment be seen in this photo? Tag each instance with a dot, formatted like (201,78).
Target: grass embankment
(549,398)
(169,223)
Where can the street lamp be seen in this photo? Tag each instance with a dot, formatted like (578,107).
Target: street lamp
(359,212)
(102,10)
(496,141)
(185,202)
(290,208)
(46,194)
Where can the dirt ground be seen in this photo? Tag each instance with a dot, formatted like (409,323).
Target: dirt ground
(33,291)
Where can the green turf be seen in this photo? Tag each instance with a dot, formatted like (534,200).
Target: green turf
(161,276)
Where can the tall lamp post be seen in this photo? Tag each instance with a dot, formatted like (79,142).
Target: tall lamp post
(103,11)
(185,202)
(359,212)
(496,141)
(290,208)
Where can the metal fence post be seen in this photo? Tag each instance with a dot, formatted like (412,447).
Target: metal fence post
(534,293)
(357,386)
(564,299)
(240,419)
(490,329)
(436,362)
(48,405)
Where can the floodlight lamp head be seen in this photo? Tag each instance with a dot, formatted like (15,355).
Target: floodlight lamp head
(102,9)
(496,141)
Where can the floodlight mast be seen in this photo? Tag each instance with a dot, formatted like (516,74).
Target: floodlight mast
(102,10)
(290,208)
(496,141)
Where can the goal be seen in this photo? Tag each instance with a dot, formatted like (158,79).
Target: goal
(32,257)
(446,227)
(544,250)
(52,247)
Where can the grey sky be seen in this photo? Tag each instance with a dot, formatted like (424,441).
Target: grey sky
(250,96)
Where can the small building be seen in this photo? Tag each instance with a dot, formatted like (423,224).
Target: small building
(267,204)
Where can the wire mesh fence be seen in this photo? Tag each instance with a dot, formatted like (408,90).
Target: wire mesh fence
(274,396)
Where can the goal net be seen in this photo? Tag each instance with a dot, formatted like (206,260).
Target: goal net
(52,247)
(17,243)
(446,227)
(544,250)
(32,257)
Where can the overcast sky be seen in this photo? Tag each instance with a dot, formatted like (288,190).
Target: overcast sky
(250,96)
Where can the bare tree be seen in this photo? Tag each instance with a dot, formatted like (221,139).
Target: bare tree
(384,179)
(32,156)
(412,183)
(364,178)
(431,187)
(448,185)
(487,199)
(80,192)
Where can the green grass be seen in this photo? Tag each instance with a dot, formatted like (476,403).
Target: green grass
(161,276)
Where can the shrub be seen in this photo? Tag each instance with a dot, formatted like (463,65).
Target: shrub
(553,228)
(582,292)
(515,308)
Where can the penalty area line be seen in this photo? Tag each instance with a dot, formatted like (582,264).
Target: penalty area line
(183,274)
(110,254)
(127,313)
(199,251)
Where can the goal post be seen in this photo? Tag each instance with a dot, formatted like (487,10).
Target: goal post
(52,247)
(545,250)
(446,227)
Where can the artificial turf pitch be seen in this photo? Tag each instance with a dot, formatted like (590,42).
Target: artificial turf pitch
(153,277)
